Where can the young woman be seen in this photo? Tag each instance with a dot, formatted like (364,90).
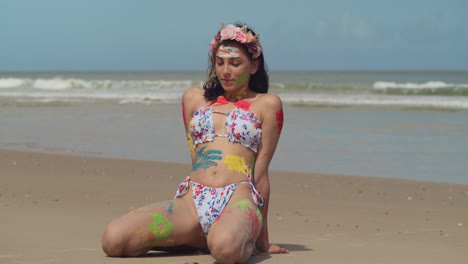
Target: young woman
(233,126)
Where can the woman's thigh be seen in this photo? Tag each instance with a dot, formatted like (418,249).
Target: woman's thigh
(163,224)
(240,222)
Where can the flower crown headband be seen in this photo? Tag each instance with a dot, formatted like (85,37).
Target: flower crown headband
(239,34)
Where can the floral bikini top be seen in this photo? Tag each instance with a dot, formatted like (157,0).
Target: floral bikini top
(242,127)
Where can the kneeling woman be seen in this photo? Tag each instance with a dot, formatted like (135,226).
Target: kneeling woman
(233,126)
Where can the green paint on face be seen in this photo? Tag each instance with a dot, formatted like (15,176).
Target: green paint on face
(157,230)
(243,78)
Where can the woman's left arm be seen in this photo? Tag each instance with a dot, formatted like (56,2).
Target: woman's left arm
(272,125)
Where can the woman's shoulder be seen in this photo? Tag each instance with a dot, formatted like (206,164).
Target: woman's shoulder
(270,101)
(194,91)
(192,99)
(193,95)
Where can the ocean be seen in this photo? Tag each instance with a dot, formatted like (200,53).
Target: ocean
(397,124)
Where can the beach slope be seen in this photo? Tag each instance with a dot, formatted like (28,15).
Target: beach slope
(54,208)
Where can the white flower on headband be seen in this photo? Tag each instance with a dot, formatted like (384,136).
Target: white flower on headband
(241,35)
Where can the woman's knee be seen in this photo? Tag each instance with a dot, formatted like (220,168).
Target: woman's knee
(225,248)
(114,241)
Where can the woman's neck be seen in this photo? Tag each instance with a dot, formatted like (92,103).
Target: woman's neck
(237,94)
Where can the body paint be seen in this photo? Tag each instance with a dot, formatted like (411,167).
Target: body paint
(237,95)
(221,100)
(234,94)
(224,212)
(243,78)
(161,206)
(228,52)
(183,115)
(255,216)
(189,136)
(236,163)
(170,207)
(280,119)
(190,143)
(205,159)
(159,229)
(252,169)
(242,104)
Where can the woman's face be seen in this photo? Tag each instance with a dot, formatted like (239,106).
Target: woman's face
(233,67)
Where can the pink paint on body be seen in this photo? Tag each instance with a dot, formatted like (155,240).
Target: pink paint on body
(280,119)
(242,104)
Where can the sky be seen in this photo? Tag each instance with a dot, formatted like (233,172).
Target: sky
(52,35)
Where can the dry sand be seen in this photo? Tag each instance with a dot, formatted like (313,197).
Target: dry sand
(54,208)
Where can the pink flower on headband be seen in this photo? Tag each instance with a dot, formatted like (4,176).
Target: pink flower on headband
(213,44)
(241,37)
(231,32)
(214,41)
(255,49)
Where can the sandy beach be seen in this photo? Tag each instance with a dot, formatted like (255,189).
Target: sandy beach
(54,208)
(371,166)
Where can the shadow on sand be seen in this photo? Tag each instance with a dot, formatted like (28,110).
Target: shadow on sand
(187,251)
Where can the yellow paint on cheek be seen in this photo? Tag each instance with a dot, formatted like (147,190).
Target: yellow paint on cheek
(235,163)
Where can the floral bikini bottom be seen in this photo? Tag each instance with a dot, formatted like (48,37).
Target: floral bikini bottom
(210,202)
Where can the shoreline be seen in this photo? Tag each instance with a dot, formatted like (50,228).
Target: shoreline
(56,206)
(101,156)
(355,141)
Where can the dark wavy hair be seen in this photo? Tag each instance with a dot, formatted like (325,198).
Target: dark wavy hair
(258,82)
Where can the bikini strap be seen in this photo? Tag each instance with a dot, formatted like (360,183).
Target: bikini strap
(220,112)
(183,187)
(258,199)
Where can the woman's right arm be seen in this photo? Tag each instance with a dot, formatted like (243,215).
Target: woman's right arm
(190,101)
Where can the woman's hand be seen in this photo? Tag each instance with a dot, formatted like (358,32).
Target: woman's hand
(271,249)
(275,249)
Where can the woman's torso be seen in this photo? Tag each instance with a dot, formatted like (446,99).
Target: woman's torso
(226,153)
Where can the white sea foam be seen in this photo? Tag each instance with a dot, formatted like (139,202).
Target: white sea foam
(144,91)
(60,84)
(121,96)
(65,84)
(437,102)
(417,86)
(170,96)
(277,85)
(12,82)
